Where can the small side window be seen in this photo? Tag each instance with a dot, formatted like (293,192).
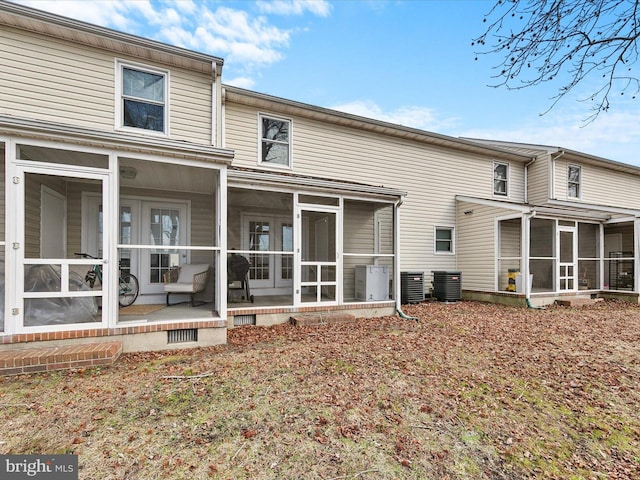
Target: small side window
(444,240)
(574,174)
(275,141)
(501,179)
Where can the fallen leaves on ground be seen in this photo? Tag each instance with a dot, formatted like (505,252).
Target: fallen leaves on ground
(469,391)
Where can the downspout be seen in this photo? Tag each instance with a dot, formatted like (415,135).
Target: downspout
(396,270)
(526,179)
(552,183)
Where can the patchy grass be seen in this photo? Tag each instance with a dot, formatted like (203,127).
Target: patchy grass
(471,391)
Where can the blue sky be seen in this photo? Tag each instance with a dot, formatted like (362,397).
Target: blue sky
(407,62)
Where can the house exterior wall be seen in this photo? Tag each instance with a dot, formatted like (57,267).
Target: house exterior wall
(64,82)
(432,175)
(476,244)
(599,185)
(538,180)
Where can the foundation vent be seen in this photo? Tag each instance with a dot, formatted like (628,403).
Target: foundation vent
(239,320)
(183,335)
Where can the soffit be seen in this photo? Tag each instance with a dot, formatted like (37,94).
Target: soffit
(49,24)
(568,210)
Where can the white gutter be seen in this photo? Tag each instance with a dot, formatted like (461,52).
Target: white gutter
(268,178)
(526,180)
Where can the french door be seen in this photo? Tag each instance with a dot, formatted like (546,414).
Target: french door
(270,240)
(318,262)
(160,226)
(163,225)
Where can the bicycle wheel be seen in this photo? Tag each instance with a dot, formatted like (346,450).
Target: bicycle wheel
(129,289)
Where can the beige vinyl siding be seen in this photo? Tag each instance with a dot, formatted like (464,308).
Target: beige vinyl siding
(32,216)
(509,243)
(2,197)
(358,227)
(60,81)
(599,185)
(431,175)
(475,246)
(538,177)
(358,238)
(384,217)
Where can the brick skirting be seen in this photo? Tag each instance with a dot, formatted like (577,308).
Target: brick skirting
(31,360)
(107,332)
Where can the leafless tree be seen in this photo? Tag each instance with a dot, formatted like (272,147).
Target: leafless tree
(553,40)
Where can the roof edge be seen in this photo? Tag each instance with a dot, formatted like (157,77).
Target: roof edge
(78,25)
(28,128)
(241,95)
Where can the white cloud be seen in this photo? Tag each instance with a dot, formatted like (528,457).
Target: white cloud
(246,42)
(613,135)
(423,118)
(113,14)
(241,82)
(320,8)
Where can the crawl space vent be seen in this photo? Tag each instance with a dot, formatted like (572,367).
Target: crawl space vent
(183,335)
(244,320)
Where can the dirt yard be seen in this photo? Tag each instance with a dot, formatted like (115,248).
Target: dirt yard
(471,391)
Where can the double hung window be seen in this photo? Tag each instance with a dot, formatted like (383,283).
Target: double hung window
(142,101)
(444,240)
(501,179)
(275,141)
(573,181)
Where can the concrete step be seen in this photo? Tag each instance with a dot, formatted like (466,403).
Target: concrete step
(45,359)
(321,319)
(578,301)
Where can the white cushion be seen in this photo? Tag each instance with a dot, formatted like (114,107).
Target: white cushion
(187,271)
(179,287)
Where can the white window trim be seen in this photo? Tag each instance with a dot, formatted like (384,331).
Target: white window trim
(453,239)
(289,166)
(579,183)
(119,117)
(493,179)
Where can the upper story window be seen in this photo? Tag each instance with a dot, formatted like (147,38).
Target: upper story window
(142,98)
(275,141)
(444,240)
(574,176)
(501,179)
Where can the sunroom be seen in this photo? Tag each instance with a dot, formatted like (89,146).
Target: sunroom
(308,244)
(87,210)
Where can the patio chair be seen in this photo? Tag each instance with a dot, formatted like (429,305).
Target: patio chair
(238,271)
(187,279)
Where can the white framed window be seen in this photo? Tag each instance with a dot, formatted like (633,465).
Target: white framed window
(275,141)
(574,177)
(444,240)
(142,98)
(501,179)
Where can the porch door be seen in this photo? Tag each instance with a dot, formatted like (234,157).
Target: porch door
(164,225)
(567,262)
(267,236)
(50,280)
(318,279)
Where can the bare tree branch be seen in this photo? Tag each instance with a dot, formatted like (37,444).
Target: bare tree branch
(541,40)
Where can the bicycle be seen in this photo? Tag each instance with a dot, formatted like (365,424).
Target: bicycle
(129,287)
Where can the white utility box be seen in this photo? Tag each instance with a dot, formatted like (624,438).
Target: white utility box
(372,283)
